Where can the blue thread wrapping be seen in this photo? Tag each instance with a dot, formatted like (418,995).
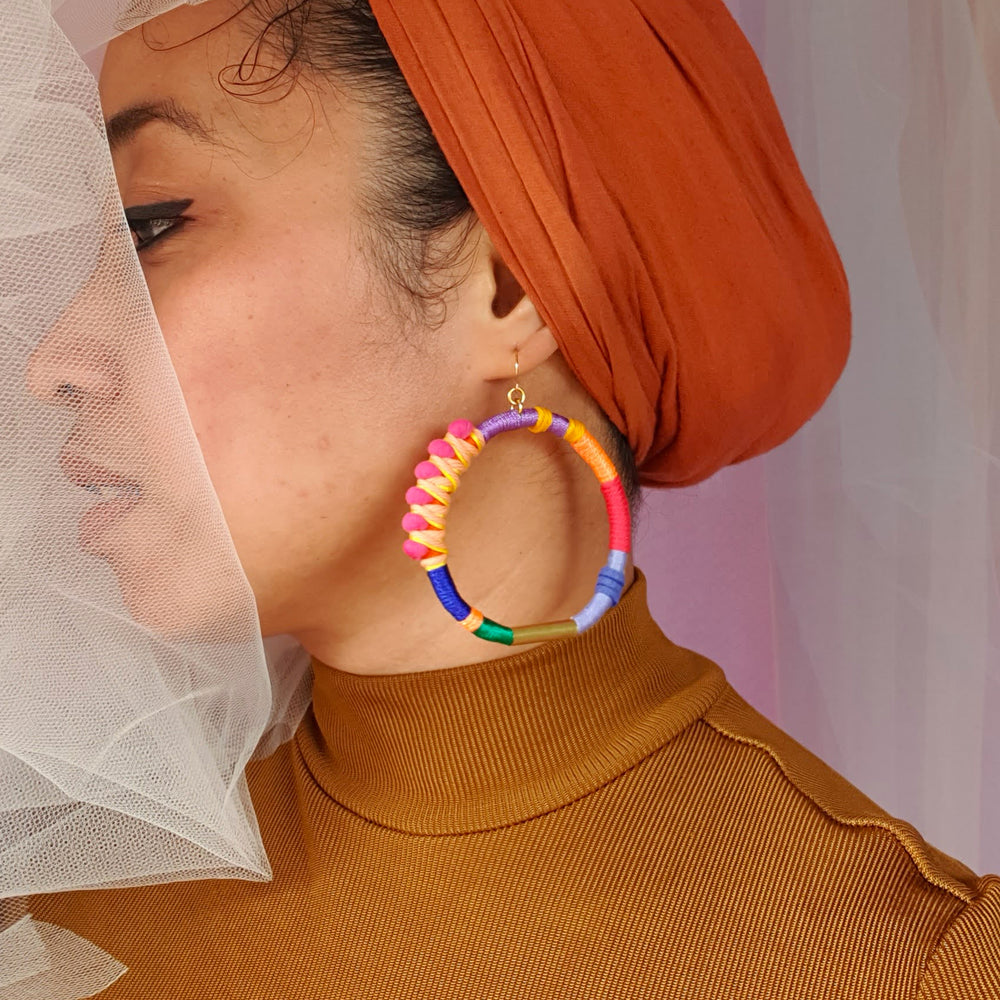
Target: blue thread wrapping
(447,593)
(611,584)
(607,593)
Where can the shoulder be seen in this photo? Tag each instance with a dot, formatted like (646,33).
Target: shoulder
(832,796)
(853,848)
(965,964)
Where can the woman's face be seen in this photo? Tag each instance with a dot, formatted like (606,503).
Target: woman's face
(311,393)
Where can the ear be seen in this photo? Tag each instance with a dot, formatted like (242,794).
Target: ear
(506,320)
(528,335)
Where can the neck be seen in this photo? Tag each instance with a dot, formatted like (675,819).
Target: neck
(486,745)
(527,536)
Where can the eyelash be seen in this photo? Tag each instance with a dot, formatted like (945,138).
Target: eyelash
(164,219)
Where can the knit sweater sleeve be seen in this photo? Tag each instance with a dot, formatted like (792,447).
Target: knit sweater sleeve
(965,965)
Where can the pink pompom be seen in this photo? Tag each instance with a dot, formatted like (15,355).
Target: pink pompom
(441,448)
(414,549)
(460,428)
(414,522)
(427,470)
(415,495)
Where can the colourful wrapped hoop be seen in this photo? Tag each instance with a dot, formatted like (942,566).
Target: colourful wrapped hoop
(439,477)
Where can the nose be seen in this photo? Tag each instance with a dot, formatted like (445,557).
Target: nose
(78,362)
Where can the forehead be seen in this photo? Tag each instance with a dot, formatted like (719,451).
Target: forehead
(181,55)
(204,62)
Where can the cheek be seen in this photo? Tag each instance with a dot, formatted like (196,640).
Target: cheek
(261,337)
(301,387)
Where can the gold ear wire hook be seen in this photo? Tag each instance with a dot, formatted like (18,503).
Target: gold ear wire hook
(516,396)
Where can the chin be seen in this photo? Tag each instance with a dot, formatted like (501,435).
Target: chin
(173,583)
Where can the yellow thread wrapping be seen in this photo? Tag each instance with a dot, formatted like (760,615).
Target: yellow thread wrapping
(430,486)
(593,454)
(441,488)
(447,468)
(433,513)
(544,420)
(456,444)
(433,540)
(575,431)
(464,450)
(474,621)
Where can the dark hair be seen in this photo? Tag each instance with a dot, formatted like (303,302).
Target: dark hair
(413,196)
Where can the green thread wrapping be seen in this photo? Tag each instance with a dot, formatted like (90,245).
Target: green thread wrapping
(495,632)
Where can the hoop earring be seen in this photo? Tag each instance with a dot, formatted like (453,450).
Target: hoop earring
(439,476)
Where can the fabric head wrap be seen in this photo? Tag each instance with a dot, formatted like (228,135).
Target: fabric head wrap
(630,165)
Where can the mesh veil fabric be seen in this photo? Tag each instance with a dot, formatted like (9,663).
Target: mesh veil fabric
(133,681)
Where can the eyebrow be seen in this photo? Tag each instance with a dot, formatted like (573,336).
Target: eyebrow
(123,126)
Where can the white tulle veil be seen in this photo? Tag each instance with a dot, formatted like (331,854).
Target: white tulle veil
(854,568)
(134,683)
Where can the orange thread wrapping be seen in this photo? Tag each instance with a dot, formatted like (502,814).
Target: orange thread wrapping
(593,454)
(474,621)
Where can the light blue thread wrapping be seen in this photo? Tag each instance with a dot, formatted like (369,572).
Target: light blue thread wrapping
(594,611)
(607,593)
(611,579)
(617,560)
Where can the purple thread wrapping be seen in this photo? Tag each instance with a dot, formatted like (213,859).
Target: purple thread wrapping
(509,420)
(559,425)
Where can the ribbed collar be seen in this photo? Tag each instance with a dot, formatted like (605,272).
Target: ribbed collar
(491,744)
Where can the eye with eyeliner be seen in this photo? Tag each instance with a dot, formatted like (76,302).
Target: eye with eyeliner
(155,222)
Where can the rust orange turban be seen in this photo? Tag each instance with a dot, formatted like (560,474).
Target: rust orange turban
(628,161)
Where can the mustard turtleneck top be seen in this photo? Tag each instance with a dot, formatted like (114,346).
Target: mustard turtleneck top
(602,817)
